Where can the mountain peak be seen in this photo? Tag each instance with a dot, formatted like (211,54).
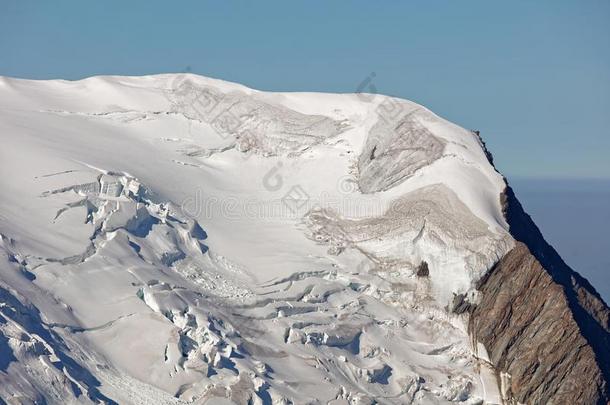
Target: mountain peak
(175,238)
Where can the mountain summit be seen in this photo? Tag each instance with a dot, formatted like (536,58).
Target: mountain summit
(174,239)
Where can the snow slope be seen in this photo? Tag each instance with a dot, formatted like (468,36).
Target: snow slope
(174,238)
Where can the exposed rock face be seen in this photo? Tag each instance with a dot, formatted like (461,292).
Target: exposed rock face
(525,321)
(422,270)
(544,326)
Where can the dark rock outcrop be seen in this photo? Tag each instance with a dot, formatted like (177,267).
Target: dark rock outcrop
(530,331)
(546,329)
(423,270)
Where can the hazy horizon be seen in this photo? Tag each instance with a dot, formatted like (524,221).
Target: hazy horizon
(573,215)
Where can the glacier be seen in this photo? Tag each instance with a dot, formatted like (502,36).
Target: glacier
(175,239)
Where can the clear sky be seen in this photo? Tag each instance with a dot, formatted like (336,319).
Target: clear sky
(533,76)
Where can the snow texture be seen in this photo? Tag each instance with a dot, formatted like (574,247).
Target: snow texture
(172,239)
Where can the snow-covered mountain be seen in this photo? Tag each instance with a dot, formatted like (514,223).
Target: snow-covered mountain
(173,239)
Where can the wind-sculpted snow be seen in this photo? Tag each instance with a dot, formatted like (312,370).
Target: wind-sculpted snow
(429,225)
(178,239)
(395,150)
(255,125)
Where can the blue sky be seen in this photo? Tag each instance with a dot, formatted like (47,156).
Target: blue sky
(534,77)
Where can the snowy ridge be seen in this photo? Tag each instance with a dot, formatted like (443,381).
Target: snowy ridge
(174,238)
